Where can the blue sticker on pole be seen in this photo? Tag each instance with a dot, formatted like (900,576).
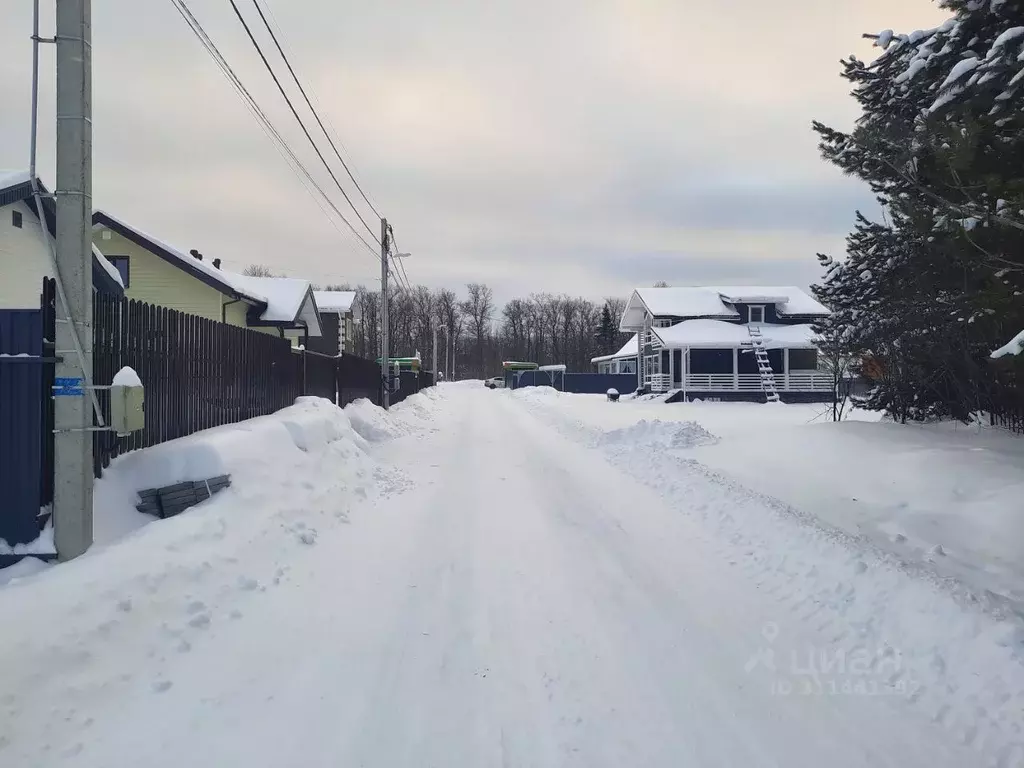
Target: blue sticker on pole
(68,387)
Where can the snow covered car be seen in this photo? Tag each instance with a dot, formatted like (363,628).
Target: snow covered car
(496,383)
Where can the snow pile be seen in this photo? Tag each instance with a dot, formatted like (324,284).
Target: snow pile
(373,424)
(126,377)
(660,434)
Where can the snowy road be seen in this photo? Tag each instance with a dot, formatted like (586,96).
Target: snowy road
(522,602)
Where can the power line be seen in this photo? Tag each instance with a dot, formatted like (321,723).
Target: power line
(309,104)
(302,125)
(266,125)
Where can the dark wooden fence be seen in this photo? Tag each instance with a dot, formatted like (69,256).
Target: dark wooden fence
(358,378)
(199,373)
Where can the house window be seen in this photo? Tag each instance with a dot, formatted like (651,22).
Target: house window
(121,265)
(627,366)
(662,322)
(16,219)
(803,359)
(757,313)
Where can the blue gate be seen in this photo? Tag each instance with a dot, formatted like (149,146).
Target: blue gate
(25,369)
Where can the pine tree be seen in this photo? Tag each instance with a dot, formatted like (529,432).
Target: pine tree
(939,142)
(606,332)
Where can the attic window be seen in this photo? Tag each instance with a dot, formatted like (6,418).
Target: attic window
(757,313)
(16,219)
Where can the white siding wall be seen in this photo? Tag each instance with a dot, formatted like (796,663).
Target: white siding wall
(24,259)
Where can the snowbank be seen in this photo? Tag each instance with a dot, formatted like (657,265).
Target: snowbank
(255,453)
(660,434)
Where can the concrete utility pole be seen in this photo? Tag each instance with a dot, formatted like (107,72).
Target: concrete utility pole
(385,352)
(73,481)
(433,354)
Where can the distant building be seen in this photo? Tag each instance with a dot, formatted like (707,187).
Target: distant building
(725,342)
(339,317)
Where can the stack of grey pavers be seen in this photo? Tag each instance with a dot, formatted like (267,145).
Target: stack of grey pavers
(174,499)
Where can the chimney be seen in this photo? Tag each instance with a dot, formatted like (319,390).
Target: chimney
(216,263)
(196,254)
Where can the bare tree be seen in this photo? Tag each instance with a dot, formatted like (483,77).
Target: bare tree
(257,270)
(478,308)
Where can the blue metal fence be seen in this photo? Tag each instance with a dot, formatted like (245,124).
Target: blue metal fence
(580,383)
(23,370)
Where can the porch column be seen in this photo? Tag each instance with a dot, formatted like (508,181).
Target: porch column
(735,368)
(671,368)
(785,366)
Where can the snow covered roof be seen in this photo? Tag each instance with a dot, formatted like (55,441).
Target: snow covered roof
(10,179)
(289,300)
(629,349)
(714,302)
(719,334)
(789,299)
(226,282)
(334,301)
(107,267)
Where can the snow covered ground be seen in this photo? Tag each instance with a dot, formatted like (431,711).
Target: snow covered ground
(945,495)
(491,578)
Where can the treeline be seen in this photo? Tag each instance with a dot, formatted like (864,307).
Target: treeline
(925,295)
(478,335)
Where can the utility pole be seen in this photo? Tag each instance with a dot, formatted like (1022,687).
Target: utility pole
(385,352)
(73,464)
(433,354)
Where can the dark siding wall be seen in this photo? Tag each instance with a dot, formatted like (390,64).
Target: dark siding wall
(327,343)
(770,314)
(711,361)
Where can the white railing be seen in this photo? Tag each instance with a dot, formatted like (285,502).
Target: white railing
(802,381)
(659,382)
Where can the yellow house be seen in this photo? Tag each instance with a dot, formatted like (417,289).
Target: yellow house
(25,241)
(157,273)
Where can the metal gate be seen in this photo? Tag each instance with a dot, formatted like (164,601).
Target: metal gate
(26,432)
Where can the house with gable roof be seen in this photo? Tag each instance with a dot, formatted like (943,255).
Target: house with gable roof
(156,272)
(726,343)
(26,238)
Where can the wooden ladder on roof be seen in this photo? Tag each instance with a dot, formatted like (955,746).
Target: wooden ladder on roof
(764,365)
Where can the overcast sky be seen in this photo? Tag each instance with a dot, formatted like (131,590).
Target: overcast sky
(580,146)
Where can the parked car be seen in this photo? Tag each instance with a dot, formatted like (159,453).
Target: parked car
(498,382)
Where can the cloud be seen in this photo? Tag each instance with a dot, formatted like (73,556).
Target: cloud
(584,146)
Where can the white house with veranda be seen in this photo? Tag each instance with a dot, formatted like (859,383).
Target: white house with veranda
(724,343)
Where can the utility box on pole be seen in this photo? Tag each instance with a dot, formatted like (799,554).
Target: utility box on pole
(127,403)
(73,463)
